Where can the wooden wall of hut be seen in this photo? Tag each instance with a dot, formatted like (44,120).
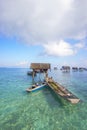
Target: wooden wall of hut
(40,68)
(65,68)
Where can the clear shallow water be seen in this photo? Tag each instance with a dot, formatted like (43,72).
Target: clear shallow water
(41,110)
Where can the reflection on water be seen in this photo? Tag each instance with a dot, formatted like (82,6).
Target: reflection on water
(41,110)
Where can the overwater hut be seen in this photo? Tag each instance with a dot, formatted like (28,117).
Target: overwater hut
(81,69)
(65,68)
(85,69)
(55,68)
(40,67)
(75,68)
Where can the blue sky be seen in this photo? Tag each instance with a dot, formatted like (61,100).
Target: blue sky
(52,31)
(16,54)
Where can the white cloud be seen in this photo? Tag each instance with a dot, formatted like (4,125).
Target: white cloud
(41,21)
(60,48)
(22,64)
(80,45)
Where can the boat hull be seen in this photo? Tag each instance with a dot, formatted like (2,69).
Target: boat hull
(36,88)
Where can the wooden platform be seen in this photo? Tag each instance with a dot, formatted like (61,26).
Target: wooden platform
(62,91)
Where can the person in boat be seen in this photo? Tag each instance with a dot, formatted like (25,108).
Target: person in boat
(44,82)
(33,86)
(37,84)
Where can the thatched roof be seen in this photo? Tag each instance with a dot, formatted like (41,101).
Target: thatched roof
(40,66)
(75,68)
(66,67)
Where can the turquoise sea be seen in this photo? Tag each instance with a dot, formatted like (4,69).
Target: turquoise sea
(41,110)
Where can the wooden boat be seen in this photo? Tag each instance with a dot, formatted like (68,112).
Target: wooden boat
(36,87)
(62,91)
(30,73)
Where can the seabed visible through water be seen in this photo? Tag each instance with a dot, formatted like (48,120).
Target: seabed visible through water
(41,110)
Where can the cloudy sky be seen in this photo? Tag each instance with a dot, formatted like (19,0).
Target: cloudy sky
(53,31)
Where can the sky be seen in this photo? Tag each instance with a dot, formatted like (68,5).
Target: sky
(43,31)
